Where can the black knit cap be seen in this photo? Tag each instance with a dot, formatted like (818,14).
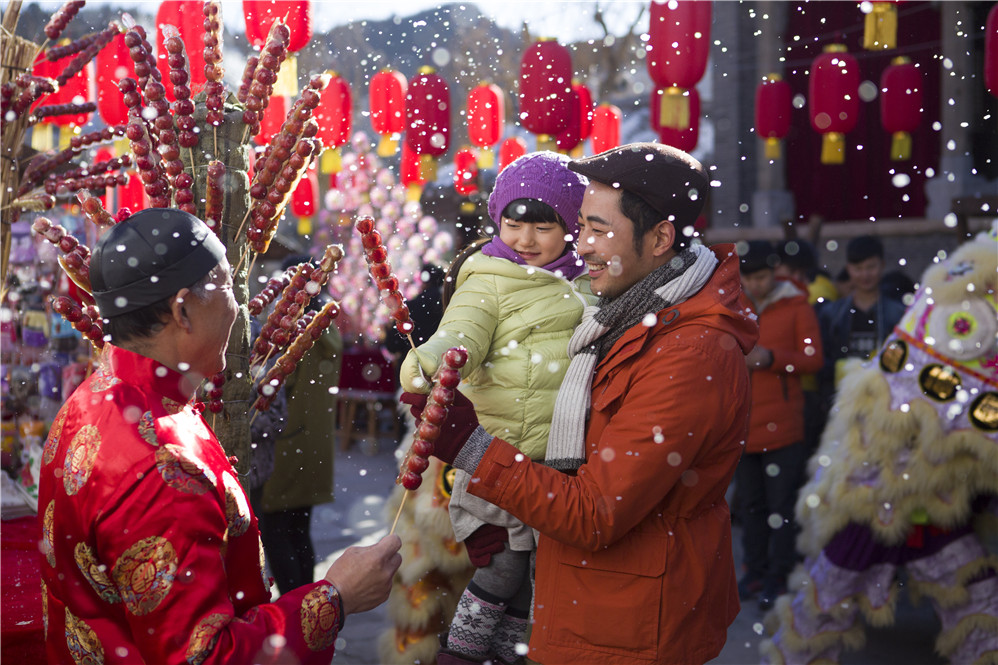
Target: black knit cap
(756,255)
(666,178)
(149,257)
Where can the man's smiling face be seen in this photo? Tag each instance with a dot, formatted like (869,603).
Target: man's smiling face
(606,243)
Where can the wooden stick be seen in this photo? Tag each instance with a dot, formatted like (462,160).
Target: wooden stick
(253,417)
(399,513)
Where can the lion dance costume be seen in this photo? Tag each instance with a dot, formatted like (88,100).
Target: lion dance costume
(907,476)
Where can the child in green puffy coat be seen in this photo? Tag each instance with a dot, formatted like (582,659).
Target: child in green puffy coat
(516,301)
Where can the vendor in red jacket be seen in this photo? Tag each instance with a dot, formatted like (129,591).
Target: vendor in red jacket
(151,553)
(634,561)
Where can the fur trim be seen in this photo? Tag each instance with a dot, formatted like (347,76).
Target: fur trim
(950,640)
(853,638)
(407,649)
(951,596)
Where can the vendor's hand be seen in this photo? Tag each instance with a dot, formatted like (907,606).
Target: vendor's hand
(460,423)
(363,575)
(485,541)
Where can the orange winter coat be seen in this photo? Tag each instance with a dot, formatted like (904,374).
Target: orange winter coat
(634,561)
(789,328)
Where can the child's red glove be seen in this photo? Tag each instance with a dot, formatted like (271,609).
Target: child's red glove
(460,423)
(485,541)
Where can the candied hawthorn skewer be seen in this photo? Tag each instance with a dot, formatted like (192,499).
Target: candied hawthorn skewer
(280,323)
(214,197)
(381,271)
(76,257)
(213,69)
(274,52)
(94,209)
(289,360)
(61,18)
(445,381)
(87,322)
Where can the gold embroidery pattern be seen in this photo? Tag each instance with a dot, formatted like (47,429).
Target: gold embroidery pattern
(182,471)
(237,512)
(95,573)
(47,521)
(102,380)
(172,406)
(320,617)
(145,573)
(80,459)
(45,611)
(84,646)
(204,637)
(147,429)
(52,442)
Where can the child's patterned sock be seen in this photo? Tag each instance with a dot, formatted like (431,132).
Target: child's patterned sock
(510,633)
(478,614)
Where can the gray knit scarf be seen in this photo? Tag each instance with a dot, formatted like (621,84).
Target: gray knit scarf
(602,325)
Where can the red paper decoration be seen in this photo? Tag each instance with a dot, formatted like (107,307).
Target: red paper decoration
(261,14)
(773,108)
(511,149)
(606,128)
(901,104)
(486,119)
(113,64)
(678,46)
(465,172)
(386,97)
(271,119)
(686,138)
(991,51)
(833,90)
(188,17)
(545,84)
(335,112)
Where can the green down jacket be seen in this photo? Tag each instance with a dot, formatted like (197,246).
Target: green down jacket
(515,321)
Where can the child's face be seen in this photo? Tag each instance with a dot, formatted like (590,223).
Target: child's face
(539,243)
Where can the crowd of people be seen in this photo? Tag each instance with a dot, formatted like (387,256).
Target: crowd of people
(621,378)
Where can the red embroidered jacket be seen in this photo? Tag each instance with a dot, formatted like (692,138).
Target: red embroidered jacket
(150,550)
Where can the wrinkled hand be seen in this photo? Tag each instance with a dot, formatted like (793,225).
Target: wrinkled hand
(460,423)
(363,575)
(485,541)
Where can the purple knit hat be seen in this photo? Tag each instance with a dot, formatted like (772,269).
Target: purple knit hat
(543,176)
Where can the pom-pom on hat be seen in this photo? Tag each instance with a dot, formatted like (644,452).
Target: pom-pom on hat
(669,180)
(543,176)
(149,257)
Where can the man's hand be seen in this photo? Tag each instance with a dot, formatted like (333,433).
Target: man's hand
(485,541)
(363,575)
(759,358)
(460,423)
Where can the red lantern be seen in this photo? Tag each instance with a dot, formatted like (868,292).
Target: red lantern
(112,65)
(261,14)
(545,84)
(465,172)
(833,90)
(303,199)
(335,113)
(991,51)
(187,16)
(880,27)
(678,46)
(427,114)
(773,108)
(410,173)
(486,119)
(901,104)
(76,91)
(580,120)
(271,119)
(606,128)
(386,96)
(511,149)
(684,139)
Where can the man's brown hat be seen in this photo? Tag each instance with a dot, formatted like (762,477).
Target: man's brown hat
(666,178)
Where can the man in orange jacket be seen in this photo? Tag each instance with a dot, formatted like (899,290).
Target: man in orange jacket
(634,560)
